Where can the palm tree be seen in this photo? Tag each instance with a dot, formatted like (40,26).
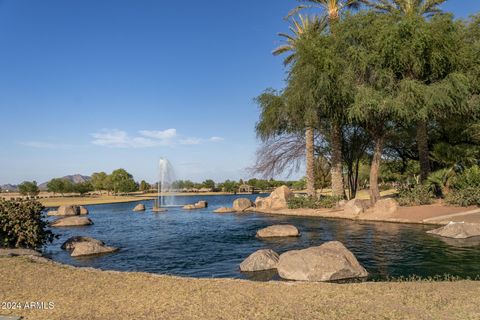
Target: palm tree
(299,29)
(413,8)
(406,7)
(332,10)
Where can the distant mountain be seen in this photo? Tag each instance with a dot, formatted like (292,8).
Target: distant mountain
(9,188)
(75,178)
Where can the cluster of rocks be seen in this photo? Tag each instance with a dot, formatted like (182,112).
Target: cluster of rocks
(70,210)
(198,205)
(382,208)
(329,262)
(72,216)
(85,246)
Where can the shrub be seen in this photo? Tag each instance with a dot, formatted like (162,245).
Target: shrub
(465,188)
(21,224)
(464,197)
(313,203)
(416,195)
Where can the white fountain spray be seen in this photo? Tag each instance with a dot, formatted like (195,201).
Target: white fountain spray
(165,182)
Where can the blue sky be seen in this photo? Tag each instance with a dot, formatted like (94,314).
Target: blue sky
(95,85)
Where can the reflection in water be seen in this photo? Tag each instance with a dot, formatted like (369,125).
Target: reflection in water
(204,244)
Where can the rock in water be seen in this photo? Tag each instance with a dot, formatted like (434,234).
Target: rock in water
(278,231)
(259,261)
(73,241)
(68,211)
(90,248)
(83,210)
(385,207)
(72,222)
(139,207)
(242,204)
(458,230)
(198,205)
(328,262)
(224,210)
(354,207)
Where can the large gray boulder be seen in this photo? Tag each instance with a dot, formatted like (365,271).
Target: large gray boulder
(278,231)
(91,248)
(85,246)
(72,222)
(66,211)
(354,207)
(242,204)
(458,230)
(73,241)
(328,262)
(259,261)
(385,207)
(139,207)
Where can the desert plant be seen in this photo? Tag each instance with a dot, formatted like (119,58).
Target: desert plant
(21,224)
(415,195)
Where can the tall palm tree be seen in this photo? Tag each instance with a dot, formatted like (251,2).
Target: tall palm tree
(406,7)
(300,29)
(409,8)
(332,10)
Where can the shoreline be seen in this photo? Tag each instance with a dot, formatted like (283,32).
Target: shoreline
(85,293)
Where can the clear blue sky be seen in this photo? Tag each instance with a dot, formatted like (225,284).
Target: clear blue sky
(95,85)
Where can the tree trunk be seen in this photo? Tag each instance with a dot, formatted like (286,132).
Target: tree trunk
(337,162)
(375,169)
(309,137)
(423,151)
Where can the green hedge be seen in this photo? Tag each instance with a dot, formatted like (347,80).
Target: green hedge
(465,188)
(313,203)
(21,224)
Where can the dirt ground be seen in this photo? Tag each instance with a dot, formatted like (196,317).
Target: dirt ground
(93,294)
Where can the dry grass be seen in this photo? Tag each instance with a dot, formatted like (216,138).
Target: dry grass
(93,294)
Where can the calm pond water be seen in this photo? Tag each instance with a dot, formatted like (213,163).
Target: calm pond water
(204,244)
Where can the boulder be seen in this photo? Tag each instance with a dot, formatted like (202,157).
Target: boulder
(71,222)
(280,197)
(242,204)
(354,207)
(278,231)
(458,230)
(87,248)
(139,207)
(189,207)
(329,262)
(224,210)
(385,207)
(52,213)
(259,261)
(73,241)
(201,204)
(83,210)
(68,211)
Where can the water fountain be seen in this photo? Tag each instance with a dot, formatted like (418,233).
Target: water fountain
(165,185)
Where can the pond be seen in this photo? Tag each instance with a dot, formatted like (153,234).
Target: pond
(208,245)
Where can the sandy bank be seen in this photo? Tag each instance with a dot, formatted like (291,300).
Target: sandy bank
(93,294)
